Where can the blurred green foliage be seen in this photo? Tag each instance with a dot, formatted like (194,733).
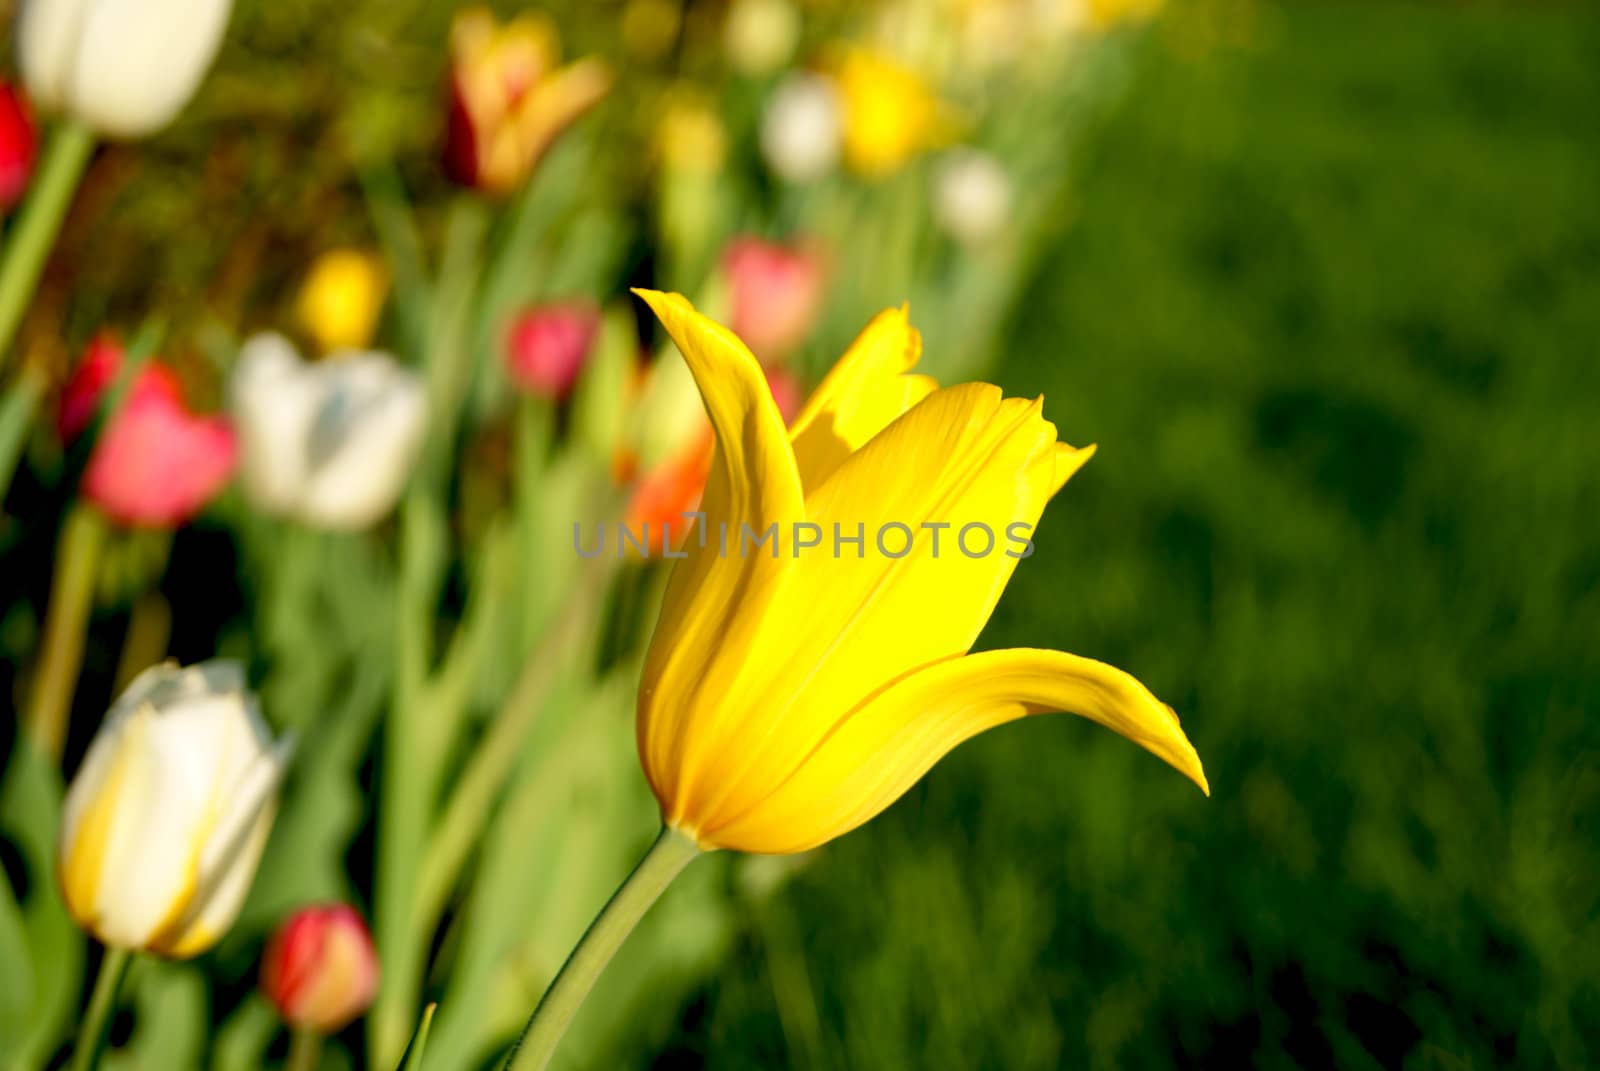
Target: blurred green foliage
(1330,310)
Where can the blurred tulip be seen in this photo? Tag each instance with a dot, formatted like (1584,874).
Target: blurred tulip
(93,376)
(802,130)
(777,293)
(548,346)
(341,299)
(155,464)
(788,393)
(1108,13)
(972,196)
(330,443)
(761,35)
(649,28)
(165,821)
(320,969)
(123,67)
(19,145)
(508,98)
(691,137)
(891,115)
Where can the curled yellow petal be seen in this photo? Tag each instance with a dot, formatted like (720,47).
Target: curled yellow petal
(875,753)
(864,392)
(715,603)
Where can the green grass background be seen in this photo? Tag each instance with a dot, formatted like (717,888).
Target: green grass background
(1331,308)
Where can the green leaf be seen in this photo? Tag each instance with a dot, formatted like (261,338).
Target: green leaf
(419,1041)
(170,1019)
(48,976)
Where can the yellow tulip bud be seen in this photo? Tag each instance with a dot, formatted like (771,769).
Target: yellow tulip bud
(341,299)
(165,821)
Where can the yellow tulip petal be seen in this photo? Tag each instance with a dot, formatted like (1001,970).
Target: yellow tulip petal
(864,392)
(965,458)
(873,755)
(715,607)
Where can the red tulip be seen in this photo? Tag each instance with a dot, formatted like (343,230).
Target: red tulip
(549,345)
(19,145)
(510,98)
(777,293)
(321,970)
(155,464)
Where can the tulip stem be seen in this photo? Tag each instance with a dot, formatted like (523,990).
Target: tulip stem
(65,157)
(71,598)
(305,1050)
(665,860)
(92,1036)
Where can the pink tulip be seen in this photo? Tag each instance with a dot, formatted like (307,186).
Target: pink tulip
(155,464)
(777,293)
(19,145)
(321,970)
(549,345)
(787,391)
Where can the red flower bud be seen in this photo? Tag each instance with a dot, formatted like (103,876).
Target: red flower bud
(19,145)
(548,347)
(777,293)
(155,464)
(320,969)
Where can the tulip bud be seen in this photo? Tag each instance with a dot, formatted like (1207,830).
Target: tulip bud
(19,144)
(761,35)
(972,196)
(122,67)
(165,821)
(321,970)
(155,464)
(93,376)
(332,443)
(549,345)
(891,114)
(509,100)
(802,130)
(777,293)
(341,299)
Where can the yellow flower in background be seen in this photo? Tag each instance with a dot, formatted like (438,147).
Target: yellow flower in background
(691,137)
(165,821)
(890,113)
(341,299)
(509,99)
(789,697)
(1108,13)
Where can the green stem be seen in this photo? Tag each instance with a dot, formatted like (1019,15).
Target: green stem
(16,419)
(460,829)
(92,1036)
(71,598)
(65,157)
(665,860)
(305,1050)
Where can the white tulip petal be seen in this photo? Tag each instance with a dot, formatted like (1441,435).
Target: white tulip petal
(47,36)
(137,62)
(150,863)
(357,476)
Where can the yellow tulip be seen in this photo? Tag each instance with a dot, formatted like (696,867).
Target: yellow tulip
(890,114)
(341,299)
(166,820)
(792,691)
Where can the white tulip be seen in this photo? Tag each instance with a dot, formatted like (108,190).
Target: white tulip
(803,129)
(329,443)
(166,820)
(972,196)
(123,67)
